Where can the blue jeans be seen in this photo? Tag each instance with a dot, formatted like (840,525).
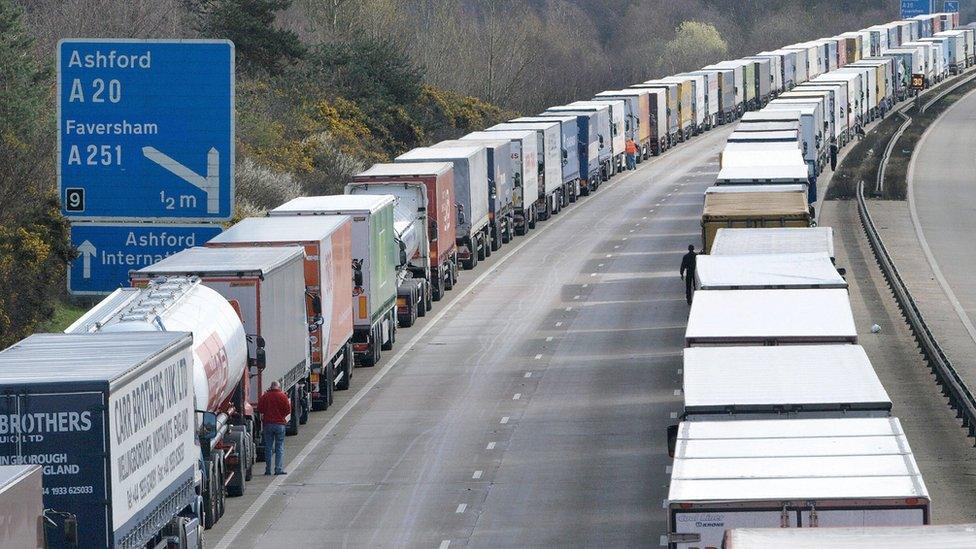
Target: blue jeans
(274,444)
(631,161)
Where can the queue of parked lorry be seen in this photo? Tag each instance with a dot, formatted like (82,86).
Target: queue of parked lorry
(787,437)
(142,415)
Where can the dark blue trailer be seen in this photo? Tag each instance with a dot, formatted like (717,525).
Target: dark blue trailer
(588,143)
(570,152)
(110,419)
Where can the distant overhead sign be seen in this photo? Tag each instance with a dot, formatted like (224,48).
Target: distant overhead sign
(911,8)
(950,6)
(107,252)
(146,129)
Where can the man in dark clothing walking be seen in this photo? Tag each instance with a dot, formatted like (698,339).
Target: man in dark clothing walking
(688,262)
(275,408)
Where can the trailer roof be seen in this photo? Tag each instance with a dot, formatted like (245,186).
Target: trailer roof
(782,378)
(759,174)
(764,147)
(75,358)
(215,261)
(409,169)
(623,93)
(773,135)
(441,153)
(763,460)
(284,228)
(765,126)
(774,240)
(764,115)
(755,189)
(506,134)
(10,474)
(781,316)
(337,204)
(539,125)
(566,118)
(744,272)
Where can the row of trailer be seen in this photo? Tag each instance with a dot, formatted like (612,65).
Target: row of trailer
(144,414)
(786,426)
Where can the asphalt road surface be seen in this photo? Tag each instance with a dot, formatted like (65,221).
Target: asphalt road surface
(529,408)
(942,188)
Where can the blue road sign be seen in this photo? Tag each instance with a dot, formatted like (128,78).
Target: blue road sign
(146,129)
(950,6)
(107,251)
(911,8)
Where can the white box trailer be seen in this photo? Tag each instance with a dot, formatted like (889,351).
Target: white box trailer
(756,126)
(791,66)
(772,136)
(957,536)
(774,240)
(945,50)
(712,95)
(761,154)
(770,317)
(767,272)
(775,71)
(814,146)
(857,105)
(738,77)
(21,507)
(957,49)
(840,98)
(832,110)
(549,157)
(525,162)
(788,382)
(791,473)
(617,135)
(111,420)
(763,175)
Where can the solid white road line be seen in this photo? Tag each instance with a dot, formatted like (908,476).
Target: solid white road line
(461,508)
(444,544)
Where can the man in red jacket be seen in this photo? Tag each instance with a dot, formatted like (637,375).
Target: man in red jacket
(275,409)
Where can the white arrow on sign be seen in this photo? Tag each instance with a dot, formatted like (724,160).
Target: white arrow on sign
(209,184)
(88,251)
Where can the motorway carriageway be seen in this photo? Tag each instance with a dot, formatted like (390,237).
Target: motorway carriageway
(529,408)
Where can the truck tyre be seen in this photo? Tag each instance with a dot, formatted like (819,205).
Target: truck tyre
(236,486)
(209,496)
(421,306)
(343,384)
(482,249)
(436,288)
(291,429)
(388,344)
(451,277)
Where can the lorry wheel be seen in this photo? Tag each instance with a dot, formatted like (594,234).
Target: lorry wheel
(388,344)
(451,278)
(531,222)
(482,252)
(292,428)
(343,384)
(209,496)
(421,306)
(436,288)
(235,488)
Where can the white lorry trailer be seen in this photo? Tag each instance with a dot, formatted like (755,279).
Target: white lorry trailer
(767,272)
(110,418)
(549,154)
(785,382)
(774,240)
(791,473)
(525,173)
(770,317)
(955,536)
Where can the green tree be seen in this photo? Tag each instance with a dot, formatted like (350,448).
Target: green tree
(34,248)
(250,24)
(694,45)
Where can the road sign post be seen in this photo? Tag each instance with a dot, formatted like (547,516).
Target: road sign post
(108,251)
(146,129)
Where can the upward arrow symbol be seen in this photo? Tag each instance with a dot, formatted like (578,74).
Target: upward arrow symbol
(209,184)
(87,250)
